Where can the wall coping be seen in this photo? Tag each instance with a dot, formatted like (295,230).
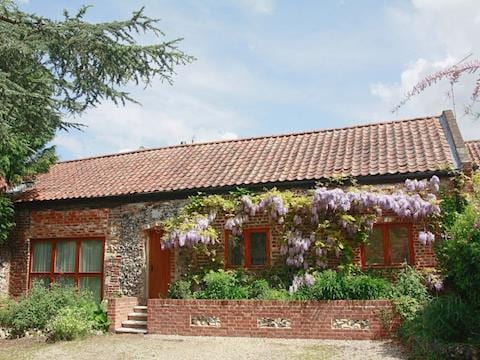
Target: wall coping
(378,302)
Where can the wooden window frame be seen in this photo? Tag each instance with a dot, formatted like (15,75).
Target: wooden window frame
(246,248)
(77,274)
(387,249)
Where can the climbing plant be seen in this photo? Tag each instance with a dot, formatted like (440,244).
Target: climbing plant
(315,224)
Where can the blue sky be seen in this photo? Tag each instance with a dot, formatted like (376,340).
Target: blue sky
(272,66)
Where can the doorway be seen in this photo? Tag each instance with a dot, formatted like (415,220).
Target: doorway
(158,267)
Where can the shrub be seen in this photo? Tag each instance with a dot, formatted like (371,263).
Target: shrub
(443,328)
(407,307)
(70,323)
(332,285)
(40,305)
(275,294)
(258,289)
(180,289)
(459,256)
(410,283)
(222,285)
(364,287)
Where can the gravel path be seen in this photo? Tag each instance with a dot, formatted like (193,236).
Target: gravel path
(208,348)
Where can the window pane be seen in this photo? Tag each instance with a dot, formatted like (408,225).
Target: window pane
(91,256)
(258,248)
(374,247)
(42,256)
(41,280)
(399,244)
(65,256)
(65,281)
(92,284)
(235,250)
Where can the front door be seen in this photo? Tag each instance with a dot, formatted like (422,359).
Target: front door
(159,267)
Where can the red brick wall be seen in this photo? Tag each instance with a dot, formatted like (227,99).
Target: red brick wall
(49,224)
(118,309)
(311,319)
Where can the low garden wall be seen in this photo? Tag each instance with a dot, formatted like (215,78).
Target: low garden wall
(118,309)
(339,319)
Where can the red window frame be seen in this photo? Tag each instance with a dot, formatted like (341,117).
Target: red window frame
(77,274)
(246,248)
(387,250)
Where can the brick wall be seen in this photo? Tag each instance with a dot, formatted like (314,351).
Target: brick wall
(126,254)
(343,319)
(118,309)
(49,224)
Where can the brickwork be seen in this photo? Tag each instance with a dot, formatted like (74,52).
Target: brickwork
(311,319)
(126,251)
(118,309)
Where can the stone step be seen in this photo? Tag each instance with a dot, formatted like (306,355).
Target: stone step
(137,316)
(140,308)
(126,330)
(137,324)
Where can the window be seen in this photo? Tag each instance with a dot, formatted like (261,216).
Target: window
(388,245)
(250,250)
(69,262)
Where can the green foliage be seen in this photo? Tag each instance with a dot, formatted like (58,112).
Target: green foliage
(409,293)
(232,284)
(50,69)
(407,307)
(40,305)
(258,289)
(459,255)
(446,319)
(6,217)
(70,323)
(410,283)
(222,285)
(332,285)
(180,289)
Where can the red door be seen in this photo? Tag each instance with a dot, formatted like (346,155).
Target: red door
(159,267)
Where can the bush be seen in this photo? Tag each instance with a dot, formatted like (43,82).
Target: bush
(410,283)
(446,328)
(445,319)
(222,285)
(275,294)
(180,289)
(459,256)
(332,285)
(407,307)
(258,289)
(70,323)
(364,287)
(40,305)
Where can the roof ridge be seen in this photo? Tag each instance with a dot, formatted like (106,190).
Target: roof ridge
(472,141)
(248,138)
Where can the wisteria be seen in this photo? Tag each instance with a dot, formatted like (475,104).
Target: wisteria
(315,225)
(435,282)
(301,280)
(426,237)
(197,233)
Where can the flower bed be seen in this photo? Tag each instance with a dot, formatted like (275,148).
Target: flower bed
(339,319)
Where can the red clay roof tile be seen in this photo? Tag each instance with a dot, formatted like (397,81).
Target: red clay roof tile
(397,147)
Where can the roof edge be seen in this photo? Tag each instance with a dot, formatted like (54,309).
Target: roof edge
(185,193)
(455,140)
(250,138)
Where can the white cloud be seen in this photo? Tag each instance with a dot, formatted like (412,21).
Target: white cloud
(443,31)
(259,6)
(168,117)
